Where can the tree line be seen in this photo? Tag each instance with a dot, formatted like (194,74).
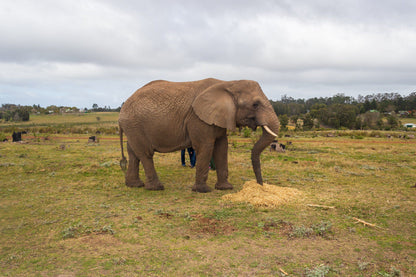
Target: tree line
(376,111)
(12,112)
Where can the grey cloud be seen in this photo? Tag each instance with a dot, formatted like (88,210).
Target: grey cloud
(91,51)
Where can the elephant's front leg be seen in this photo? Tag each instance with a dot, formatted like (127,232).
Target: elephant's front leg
(221,163)
(203,156)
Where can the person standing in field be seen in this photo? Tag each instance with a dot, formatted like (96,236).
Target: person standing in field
(192,157)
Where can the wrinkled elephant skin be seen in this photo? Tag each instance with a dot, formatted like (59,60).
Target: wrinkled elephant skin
(167,116)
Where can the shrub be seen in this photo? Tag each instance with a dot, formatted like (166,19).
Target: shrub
(319,271)
(247,132)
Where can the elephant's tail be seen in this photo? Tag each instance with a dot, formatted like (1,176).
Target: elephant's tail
(123,161)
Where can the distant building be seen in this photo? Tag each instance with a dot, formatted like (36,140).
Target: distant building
(409,125)
(405,113)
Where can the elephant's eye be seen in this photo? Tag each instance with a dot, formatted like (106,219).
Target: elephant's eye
(255,106)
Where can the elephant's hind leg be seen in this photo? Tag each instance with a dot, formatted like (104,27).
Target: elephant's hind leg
(145,156)
(132,174)
(152,180)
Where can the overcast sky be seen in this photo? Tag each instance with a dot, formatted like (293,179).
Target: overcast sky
(81,52)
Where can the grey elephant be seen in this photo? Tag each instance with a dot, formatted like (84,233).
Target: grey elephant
(165,116)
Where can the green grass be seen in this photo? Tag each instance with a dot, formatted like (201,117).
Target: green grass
(71,123)
(67,118)
(408,120)
(66,211)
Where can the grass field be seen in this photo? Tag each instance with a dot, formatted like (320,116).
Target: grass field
(408,120)
(71,123)
(64,210)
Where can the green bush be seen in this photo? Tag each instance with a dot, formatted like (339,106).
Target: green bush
(247,132)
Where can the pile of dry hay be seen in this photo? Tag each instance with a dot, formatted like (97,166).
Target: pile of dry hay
(263,196)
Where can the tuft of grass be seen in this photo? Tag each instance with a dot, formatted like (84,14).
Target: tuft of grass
(78,230)
(322,229)
(318,271)
(393,272)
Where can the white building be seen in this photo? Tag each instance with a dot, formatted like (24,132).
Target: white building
(409,125)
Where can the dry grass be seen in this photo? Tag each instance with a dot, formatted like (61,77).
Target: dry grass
(267,196)
(68,118)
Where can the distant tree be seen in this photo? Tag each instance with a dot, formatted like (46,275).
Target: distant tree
(24,114)
(16,113)
(359,123)
(294,118)
(340,98)
(392,122)
(346,115)
(370,120)
(284,121)
(307,122)
(320,112)
(373,105)
(367,105)
(52,109)
(333,122)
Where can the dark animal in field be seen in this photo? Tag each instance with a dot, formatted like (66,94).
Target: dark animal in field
(273,145)
(92,139)
(17,136)
(278,147)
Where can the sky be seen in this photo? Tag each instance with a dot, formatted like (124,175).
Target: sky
(84,52)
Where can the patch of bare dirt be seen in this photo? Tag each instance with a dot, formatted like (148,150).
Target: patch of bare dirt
(211,226)
(283,227)
(165,215)
(94,244)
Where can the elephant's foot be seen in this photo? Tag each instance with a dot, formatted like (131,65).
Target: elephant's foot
(201,188)
(223,186)
(135,183)
(154,186)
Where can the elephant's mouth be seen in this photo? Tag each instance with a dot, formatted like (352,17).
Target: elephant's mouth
(253,124)
(249,122)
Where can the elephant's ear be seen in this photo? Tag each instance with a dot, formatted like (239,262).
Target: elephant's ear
(215,105)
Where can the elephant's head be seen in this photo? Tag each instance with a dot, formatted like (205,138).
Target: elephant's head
(236,104)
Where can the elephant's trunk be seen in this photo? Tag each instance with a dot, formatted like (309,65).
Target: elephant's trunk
(269,134)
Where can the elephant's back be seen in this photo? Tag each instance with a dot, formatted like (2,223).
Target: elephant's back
(160,100)
(163,100)
(165,97)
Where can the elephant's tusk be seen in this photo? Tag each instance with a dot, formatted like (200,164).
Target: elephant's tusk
(269,131)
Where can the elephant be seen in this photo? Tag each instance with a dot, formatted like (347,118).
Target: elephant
(165,116)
